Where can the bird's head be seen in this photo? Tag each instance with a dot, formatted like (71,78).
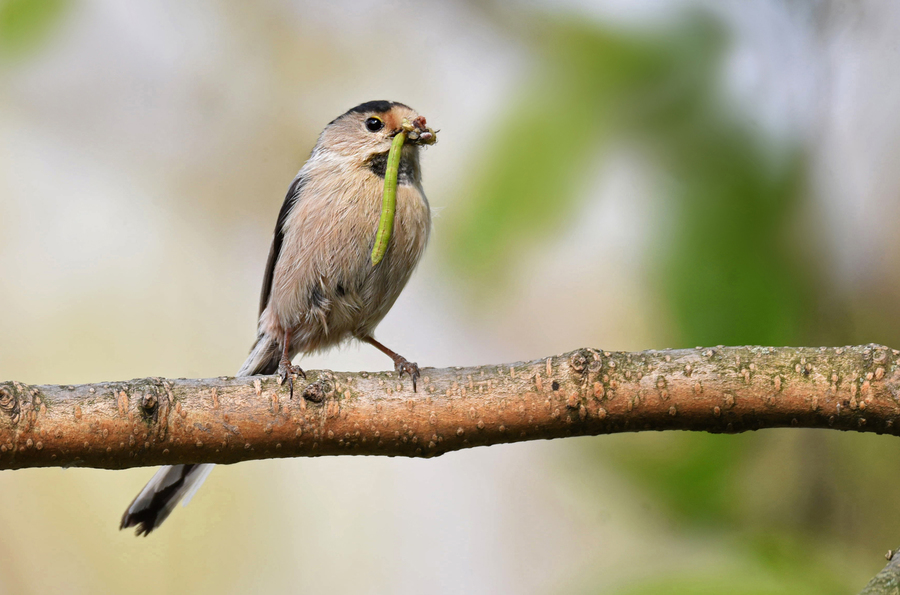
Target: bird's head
(365,132)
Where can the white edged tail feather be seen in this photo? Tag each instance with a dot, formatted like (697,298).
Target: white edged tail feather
(162,493)
(174,483)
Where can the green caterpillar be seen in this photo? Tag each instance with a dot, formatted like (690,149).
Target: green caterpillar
(389,200)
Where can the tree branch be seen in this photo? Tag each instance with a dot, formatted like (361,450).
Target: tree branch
(886,582)
(586,392)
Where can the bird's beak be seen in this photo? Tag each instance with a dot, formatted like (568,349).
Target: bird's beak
(419,133)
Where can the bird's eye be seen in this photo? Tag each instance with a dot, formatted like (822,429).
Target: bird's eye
(374,124)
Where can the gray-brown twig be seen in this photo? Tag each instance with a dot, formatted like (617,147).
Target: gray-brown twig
(155,421)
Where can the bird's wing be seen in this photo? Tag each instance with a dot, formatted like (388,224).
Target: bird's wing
(290,200)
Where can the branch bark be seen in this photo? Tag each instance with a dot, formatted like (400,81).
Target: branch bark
(886,582)
(586,392)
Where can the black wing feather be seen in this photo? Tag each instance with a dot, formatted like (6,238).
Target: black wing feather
(290,200)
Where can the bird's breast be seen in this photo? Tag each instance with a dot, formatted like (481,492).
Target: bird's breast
(324,285)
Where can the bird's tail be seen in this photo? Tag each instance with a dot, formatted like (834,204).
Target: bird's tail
(263,358)
(159,497)
(173,483)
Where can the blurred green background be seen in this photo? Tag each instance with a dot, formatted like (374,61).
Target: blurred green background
(614,174)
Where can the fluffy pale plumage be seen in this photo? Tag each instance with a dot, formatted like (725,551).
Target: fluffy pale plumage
(320,287)
(324,287)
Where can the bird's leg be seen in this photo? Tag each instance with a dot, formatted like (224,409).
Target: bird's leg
(401,364)
(285,369)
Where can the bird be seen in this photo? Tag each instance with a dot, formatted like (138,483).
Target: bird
(320,285)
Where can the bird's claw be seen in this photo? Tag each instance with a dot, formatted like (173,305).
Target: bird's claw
(407,367)
(286,372)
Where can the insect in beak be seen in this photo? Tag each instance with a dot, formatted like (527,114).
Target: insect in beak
(418,132)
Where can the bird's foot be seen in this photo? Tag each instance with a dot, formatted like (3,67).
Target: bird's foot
(403,366)
(287,371)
